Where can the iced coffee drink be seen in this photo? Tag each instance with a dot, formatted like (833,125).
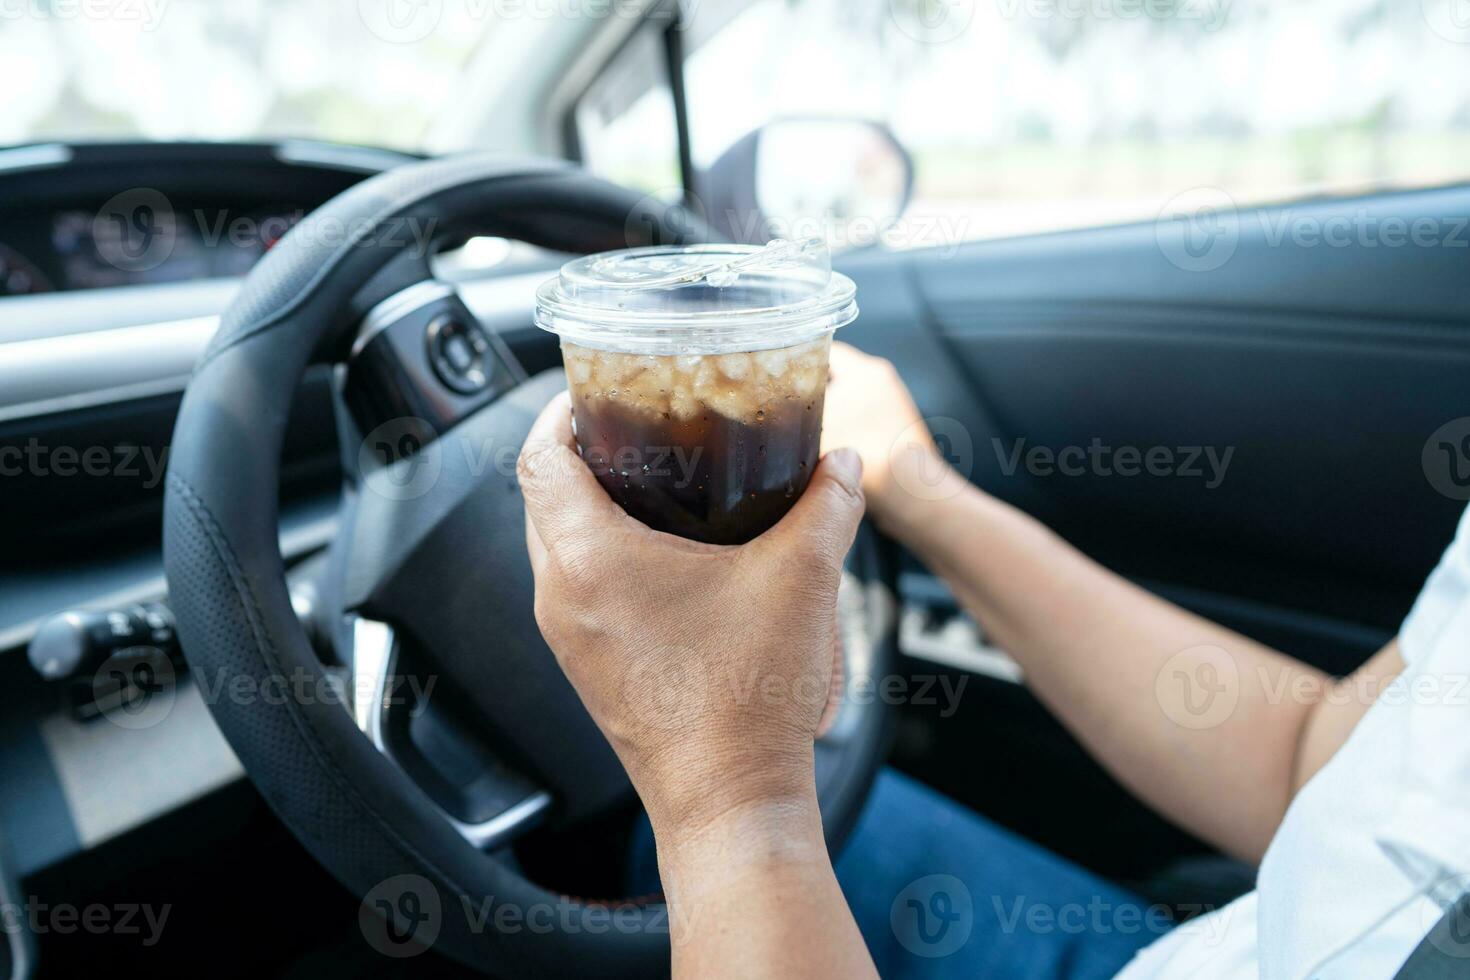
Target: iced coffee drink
(697,378)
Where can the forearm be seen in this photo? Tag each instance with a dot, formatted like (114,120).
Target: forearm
(1146,686)
(754,894)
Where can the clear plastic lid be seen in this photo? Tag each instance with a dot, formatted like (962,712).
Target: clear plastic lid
(700,299)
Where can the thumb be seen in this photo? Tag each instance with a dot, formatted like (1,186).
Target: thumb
(563,499)
(825,519)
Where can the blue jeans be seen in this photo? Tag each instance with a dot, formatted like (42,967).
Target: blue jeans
(939,891)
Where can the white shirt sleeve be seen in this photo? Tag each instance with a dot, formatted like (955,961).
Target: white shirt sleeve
(1446,589)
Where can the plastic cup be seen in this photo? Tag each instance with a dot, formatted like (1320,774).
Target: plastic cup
(697,377)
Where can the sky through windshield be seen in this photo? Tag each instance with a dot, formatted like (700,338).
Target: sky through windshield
(227,70)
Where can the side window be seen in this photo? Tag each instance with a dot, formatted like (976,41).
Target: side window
(625,122)
(1028,116)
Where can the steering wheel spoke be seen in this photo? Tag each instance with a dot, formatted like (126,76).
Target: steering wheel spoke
(485,801)
(420,364)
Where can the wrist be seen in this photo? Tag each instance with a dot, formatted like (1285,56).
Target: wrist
(919,486)
(743,839)
(718,805)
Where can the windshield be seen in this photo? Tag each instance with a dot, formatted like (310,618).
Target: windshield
(375,72)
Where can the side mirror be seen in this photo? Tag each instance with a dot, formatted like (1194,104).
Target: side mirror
(845,181)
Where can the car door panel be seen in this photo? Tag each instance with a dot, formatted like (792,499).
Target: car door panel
(1313,372)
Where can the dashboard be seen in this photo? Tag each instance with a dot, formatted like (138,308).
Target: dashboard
(116,262)
(75,248)
(93,216)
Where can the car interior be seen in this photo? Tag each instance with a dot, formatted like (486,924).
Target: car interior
(1054,286)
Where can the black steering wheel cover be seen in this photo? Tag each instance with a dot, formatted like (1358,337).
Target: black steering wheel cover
(362,819)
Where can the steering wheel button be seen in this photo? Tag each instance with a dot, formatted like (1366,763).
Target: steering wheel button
(460,354)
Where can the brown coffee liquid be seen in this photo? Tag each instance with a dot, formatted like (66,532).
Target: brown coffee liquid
(713,448)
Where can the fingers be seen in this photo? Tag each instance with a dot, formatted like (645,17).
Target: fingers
(843,357)
(847,356)
(562,496)
(838,683)
(535,547)
(825,520)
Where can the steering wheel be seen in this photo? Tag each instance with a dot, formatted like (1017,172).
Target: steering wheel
(454,734)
